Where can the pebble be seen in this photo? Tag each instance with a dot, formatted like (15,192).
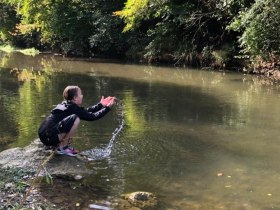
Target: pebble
(94,206)
(11,195)
(9,185)
(78,177)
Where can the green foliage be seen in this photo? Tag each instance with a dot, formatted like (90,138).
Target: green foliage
(14,185)
(29,51)
(176,29)
(260,28)
(8,21)
(48,177)
(7,48)
(15,176)
(60,22)
(79,27)
(173,30)
(133,12)
(106,36)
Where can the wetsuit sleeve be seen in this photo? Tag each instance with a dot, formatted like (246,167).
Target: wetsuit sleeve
(84,114)
(95,108)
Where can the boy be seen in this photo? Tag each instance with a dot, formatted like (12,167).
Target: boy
(59,127)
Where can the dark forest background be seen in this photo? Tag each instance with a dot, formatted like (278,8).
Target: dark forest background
(204,33)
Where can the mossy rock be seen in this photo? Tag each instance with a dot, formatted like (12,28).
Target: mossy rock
(138,200)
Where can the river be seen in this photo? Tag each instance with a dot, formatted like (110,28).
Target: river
(197,139)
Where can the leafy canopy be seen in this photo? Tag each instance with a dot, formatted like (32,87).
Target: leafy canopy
(133,12)
(260,28)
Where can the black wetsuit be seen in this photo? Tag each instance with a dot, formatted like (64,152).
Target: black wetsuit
(62,118)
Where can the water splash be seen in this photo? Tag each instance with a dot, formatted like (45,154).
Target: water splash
(102,153)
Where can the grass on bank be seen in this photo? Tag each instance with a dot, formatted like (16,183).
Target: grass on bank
(10,49)
(15,186)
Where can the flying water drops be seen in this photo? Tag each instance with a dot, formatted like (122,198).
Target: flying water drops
(102,153)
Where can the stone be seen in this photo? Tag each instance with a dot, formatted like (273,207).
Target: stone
(32,156)
(78,177)
(142,200)
(9,185)
(29,156)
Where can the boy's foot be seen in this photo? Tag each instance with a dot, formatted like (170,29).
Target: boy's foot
(66,151)
(69,146)
(74,151)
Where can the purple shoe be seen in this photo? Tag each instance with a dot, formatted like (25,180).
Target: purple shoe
(65,151)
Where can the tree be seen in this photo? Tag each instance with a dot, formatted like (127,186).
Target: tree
(8,21)
(259,26)
(180,29)
(79,27)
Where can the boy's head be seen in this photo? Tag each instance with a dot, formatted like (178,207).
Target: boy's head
(70,92)
(74,94)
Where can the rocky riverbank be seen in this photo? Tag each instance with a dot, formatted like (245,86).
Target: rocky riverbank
(22,171)
(14,185)
(35,178)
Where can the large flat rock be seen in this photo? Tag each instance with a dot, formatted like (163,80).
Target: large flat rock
(33,155)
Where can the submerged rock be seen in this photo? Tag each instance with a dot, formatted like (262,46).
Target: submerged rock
(138,200)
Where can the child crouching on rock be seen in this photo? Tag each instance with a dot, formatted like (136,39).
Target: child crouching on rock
(60,126)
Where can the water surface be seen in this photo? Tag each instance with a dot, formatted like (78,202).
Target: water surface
(197,139)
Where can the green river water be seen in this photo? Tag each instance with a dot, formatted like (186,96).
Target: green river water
(196,139)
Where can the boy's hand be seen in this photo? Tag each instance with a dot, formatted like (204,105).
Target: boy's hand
(109,101)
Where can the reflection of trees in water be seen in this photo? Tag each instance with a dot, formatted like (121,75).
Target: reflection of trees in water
(185,104)
(188,96)
(253,96)
(21,61)
(20,109)
(259,83)
(8,96)
(4,58)
(192,100)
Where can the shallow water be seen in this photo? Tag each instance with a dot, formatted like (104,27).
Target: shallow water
(197,139)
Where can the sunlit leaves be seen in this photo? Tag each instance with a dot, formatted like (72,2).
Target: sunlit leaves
(134,11)
(8,21)
(73,26)
(155,29)
(260,27)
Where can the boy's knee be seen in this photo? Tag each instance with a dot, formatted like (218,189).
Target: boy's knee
(77,121)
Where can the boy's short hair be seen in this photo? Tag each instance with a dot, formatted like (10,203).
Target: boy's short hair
(70,92)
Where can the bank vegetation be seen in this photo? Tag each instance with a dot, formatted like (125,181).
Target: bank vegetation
(233,34)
